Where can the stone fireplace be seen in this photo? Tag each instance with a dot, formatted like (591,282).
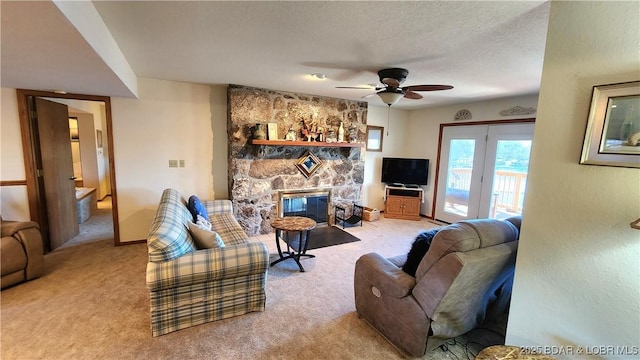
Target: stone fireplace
(259,174)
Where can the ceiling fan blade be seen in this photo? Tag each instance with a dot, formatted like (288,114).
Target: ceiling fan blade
(356,87)
(370,87)
(427,87)
(412,95)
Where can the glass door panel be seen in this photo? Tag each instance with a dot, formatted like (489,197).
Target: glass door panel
(460,170)
(506,167)
(510,178)
(456,197)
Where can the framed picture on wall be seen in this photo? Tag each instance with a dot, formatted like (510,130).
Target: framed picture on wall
(73,129)
(612,137)
(272,131)
(308,164)
(374,138)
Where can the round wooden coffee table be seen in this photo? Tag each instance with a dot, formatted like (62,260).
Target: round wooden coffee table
(296,230)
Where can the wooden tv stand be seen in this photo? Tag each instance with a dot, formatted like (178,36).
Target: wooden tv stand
(403,202)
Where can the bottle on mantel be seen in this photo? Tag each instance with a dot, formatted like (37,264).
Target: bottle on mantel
(341,133)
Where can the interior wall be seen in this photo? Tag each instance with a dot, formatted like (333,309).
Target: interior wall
(88,153)
(220,167)
(422,140)
(577,276)
(169,121)
(14,204)
(393,145)
(103,156)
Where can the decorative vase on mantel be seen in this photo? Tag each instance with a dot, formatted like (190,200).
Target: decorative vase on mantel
(291,135)
(259,133)
(353,134)
(341,133)
(331,136)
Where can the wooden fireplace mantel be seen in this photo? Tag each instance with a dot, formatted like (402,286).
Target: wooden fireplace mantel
(304,143)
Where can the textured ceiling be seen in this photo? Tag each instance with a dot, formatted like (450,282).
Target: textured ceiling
(484,49)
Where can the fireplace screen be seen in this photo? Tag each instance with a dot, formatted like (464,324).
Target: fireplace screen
(313,205)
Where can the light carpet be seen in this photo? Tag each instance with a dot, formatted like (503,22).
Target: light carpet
(92,303)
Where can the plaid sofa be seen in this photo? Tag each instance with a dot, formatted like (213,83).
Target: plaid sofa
(189,287)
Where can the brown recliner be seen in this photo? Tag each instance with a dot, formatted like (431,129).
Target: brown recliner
(466,274)
(21,251)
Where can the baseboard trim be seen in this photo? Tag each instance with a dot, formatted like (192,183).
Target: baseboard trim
(133,242)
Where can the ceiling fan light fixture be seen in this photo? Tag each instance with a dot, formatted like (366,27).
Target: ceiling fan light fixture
(320,76)
(390,98)
(392,92)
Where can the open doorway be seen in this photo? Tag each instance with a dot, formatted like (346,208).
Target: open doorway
(90,171)
(104,190)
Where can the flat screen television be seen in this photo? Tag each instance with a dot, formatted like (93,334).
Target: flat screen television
(405,171)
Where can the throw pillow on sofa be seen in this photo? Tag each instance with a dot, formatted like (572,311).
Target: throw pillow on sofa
(196,208)
(204,238)
(202,222)
(419,248)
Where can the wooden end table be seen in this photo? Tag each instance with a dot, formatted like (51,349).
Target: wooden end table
(298,226)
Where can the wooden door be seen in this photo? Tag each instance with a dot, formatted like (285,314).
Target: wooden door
(57,171)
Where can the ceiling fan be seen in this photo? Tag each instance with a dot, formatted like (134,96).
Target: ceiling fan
(390,90)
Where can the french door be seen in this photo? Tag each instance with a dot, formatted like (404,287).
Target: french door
(482,171)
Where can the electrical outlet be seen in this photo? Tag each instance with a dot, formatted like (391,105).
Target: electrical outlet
(181,163)
(173,163)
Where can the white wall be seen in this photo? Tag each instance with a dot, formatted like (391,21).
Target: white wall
(105,183)
(393,145)
(424,125)
(169,121)
(220,141)
(13,199)
(88,150)
(577,278)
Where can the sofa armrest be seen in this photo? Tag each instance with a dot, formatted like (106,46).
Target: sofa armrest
(209,265)
(218,206)
(11,227)
(28,234)
(384,275)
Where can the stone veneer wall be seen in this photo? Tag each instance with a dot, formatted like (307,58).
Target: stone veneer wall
(258,172)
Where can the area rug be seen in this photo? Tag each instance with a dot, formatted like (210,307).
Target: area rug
(324,236)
